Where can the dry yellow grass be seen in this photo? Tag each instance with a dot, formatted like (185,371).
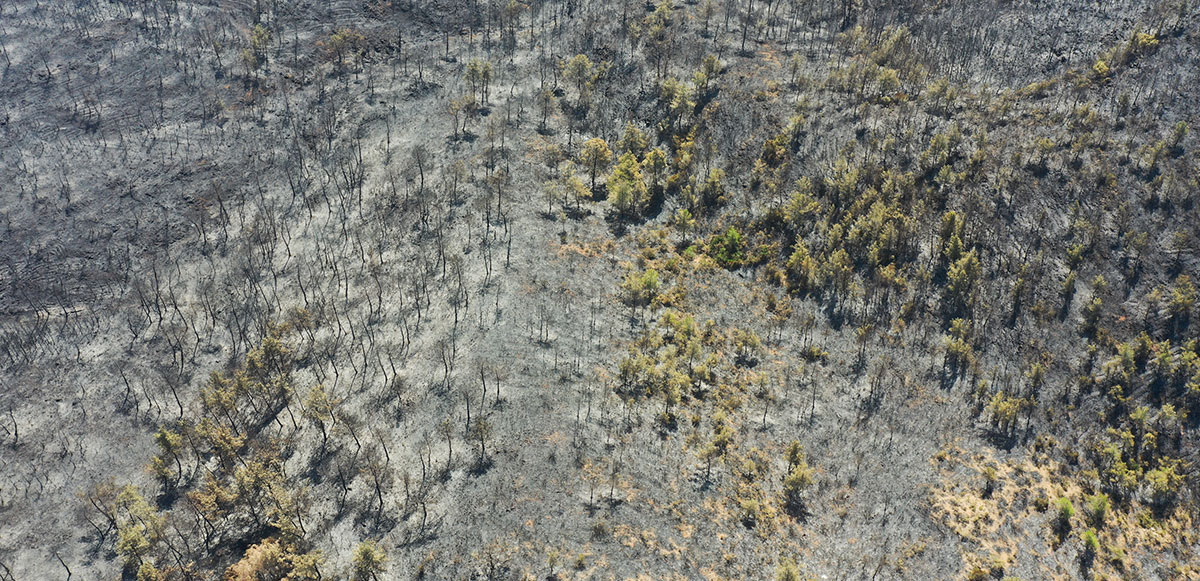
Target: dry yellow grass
(998,529)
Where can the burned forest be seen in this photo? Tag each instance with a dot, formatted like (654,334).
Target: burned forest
(569,289)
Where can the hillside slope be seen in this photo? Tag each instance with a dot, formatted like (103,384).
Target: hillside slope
(495,290)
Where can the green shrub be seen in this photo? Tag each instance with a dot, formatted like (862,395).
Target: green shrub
(750,510)
(627,190)
(369,561)
(1066,511)
(728,249)
(787,571)
(1091,545)
(640,288)
(989,481)
(813,353)
(1097,509)
(794,485)
(1165,482)
(962,278)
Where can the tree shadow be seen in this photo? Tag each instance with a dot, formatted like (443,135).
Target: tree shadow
(798,510)
(948,376)
(423,535)
(859,366)
(481,466)
(376,523)
(577,213)
(168,497)
(617,226)
(870,405)
(1000,439)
